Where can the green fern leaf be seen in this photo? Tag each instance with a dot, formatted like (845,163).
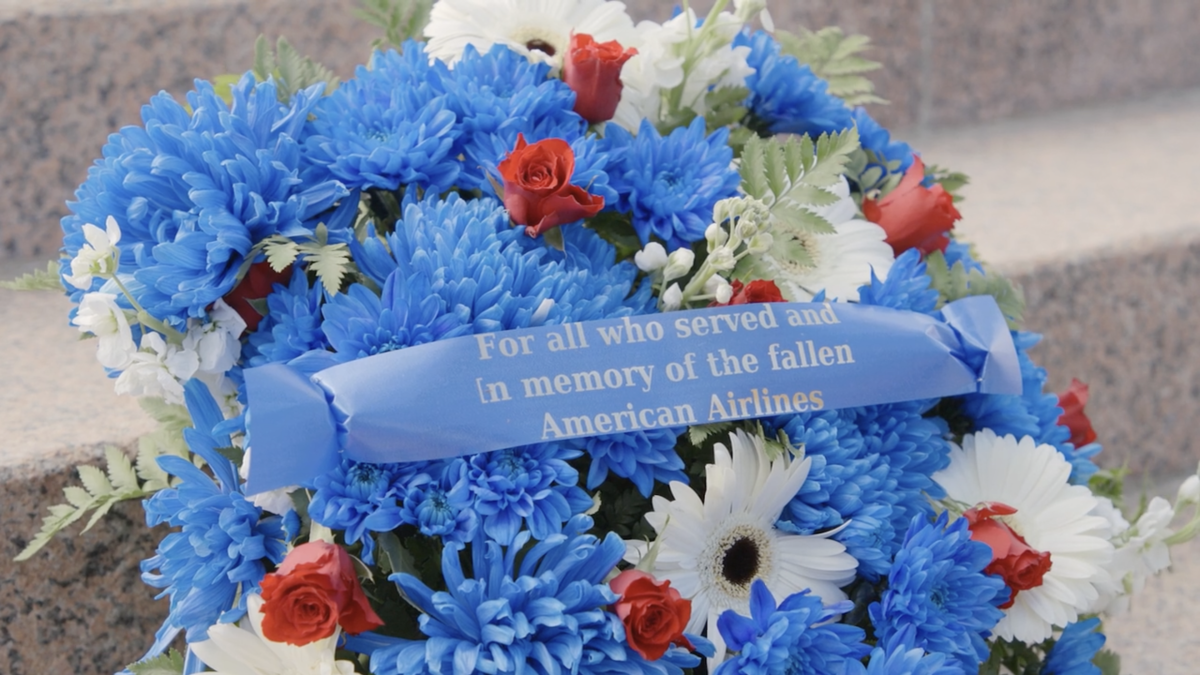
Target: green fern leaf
(38,280)
(291,70)
(94,480)
(954,283)
(61,516)
(400,20)
(170,663)
(280,251)
(697,435)
(120,470)
(835,57)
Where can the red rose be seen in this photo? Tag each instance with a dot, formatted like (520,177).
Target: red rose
(257,284)
(654,614)
(758,290)
(312,592)
(1072,402)
(537,189)
(593,71)
(1021,566)
(913,215)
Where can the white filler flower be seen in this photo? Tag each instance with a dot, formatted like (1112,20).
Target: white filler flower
(100,315)
(242,650)
(98,257)
(539,29)
(711,550)
(1052,515)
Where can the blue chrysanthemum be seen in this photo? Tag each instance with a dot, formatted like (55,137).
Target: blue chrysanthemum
(958,252)
(359,323)
(790,638)
(906,286)
(1074,650)
(387,127)
(218,555)
(497,95)
(472,258)
(193,192)
(879,141)
(292,325)
(348,496)
(537,609)
(531,487)
(444,508)
(897,656)
(671,184)
(641,456)
(871,466)
(785,96)
(1033,413)
(937,589)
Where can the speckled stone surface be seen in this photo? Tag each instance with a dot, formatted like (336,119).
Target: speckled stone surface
(71,79)
(79,606)
(76,70)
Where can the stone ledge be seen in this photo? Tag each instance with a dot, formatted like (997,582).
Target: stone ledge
(82,68)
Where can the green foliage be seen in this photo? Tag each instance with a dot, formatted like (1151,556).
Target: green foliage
(1109,483)
(700,433)
(170,663)
(223,86)
(292,71)
(951,181)
(1108,662)
(954,283)
(872,174)
(38,280)
(788,175)
(834,57)
(725,107)
(400,19)
(100,492)
(330,262)
(616,229)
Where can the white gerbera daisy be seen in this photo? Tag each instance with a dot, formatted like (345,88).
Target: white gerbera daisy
(234,650)
(841,262)
(1052,516)
(711,550)
(540,29)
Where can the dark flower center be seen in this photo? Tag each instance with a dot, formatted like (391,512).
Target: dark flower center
(741,561)
(541,46)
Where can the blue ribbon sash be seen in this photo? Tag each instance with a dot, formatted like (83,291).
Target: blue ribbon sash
(490,391)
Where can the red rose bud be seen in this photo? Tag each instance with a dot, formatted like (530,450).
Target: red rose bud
(1021,566)
(593,71)
(313,592)
(913,215)
(256,285)
(755,291)
(537,189)
(654,614)
(1072,402)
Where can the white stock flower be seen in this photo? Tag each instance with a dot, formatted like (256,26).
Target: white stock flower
(1141,553)
(745,10)
(719,289)
(216,343)
(672,298)
(158,370)
(1189,492)
(679,263)
(98,257)
(651,258)
(100,315)
(243,650)
(539,29)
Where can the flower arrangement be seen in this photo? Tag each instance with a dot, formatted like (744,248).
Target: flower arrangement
(307,281)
